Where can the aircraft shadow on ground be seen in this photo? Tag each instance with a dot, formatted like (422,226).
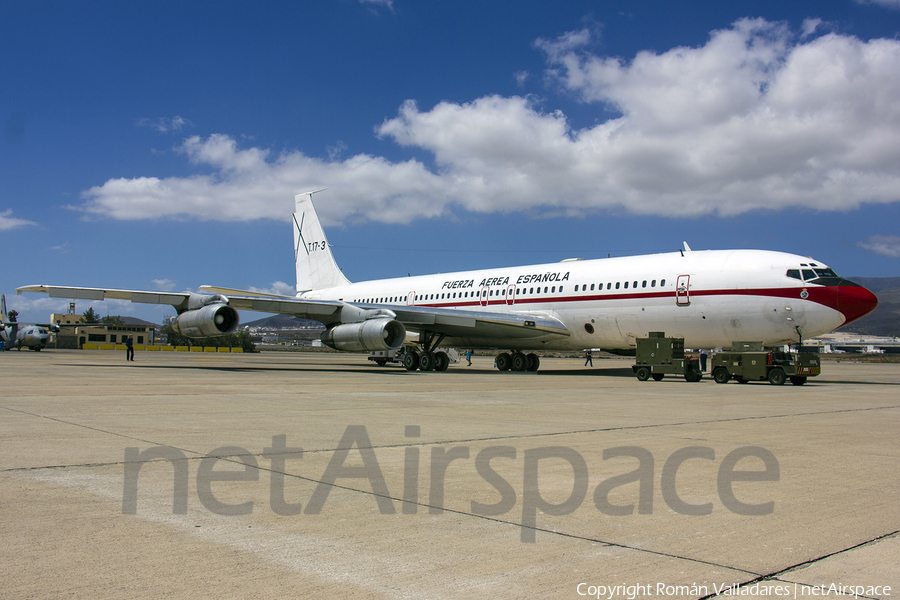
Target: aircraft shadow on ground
(624,372)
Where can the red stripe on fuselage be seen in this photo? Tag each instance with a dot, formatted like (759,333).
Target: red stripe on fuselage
(852,301)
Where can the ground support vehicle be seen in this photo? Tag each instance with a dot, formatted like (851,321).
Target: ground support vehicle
(657,356)
(749,361)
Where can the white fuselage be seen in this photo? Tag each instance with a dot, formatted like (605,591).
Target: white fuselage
(710,298)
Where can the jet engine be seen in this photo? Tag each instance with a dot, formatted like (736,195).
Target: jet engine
(373,334)
(208,321)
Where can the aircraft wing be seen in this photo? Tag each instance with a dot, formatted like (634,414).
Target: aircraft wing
(451,322)
(105,294)
(315,309)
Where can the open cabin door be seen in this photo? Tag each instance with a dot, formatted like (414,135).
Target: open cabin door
(683,290)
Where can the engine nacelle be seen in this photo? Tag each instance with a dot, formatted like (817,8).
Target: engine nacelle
(209,321)
(374,334)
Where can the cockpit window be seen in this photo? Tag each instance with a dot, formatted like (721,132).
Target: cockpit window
(825,273)
(810,274)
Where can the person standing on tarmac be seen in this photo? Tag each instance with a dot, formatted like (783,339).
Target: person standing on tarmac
(588,357)
(129,348)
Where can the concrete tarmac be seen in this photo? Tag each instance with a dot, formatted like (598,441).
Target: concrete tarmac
(181,475)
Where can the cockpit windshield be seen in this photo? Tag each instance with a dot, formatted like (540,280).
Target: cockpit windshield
(810,272)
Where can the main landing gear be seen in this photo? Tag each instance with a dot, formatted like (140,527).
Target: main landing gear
(426,358)
(517,361)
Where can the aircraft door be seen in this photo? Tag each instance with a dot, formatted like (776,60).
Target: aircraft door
(511,294)
(484,298)
(411,299)
(683,290)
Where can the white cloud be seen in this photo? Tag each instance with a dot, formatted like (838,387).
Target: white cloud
(885,245)
(758,118)
(7,221)
(164,285)
(809,27)
(249,185)
(165,124)
(388,4)
(885,3)
(279,288)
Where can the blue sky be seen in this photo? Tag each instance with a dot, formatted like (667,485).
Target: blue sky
(158,145)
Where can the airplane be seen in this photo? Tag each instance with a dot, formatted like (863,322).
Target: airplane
(27,335)
(711,298)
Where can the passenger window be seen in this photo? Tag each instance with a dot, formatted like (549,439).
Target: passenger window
(545,289)
(592,287)
(626,285)
(634,285)
(643,285)
(617,285)
(554,289)
(653,283)
(560,289)
(662,283)
(609,286)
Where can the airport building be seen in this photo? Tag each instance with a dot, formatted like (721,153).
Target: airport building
(77,336)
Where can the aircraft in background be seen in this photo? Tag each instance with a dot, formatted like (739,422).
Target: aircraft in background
(21,335)
(710,298)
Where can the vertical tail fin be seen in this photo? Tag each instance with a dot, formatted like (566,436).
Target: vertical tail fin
(316,268)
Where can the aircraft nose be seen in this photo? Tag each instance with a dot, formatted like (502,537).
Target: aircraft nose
(854,301)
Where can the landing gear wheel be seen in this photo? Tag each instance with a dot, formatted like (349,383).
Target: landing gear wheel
(777,377)
(721,375)
(519,362)
(381,362)
(798,380)
(441,361)
(411,360)
(643,374)
(534,362)
(503,361)
(658,376)
(426,361)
